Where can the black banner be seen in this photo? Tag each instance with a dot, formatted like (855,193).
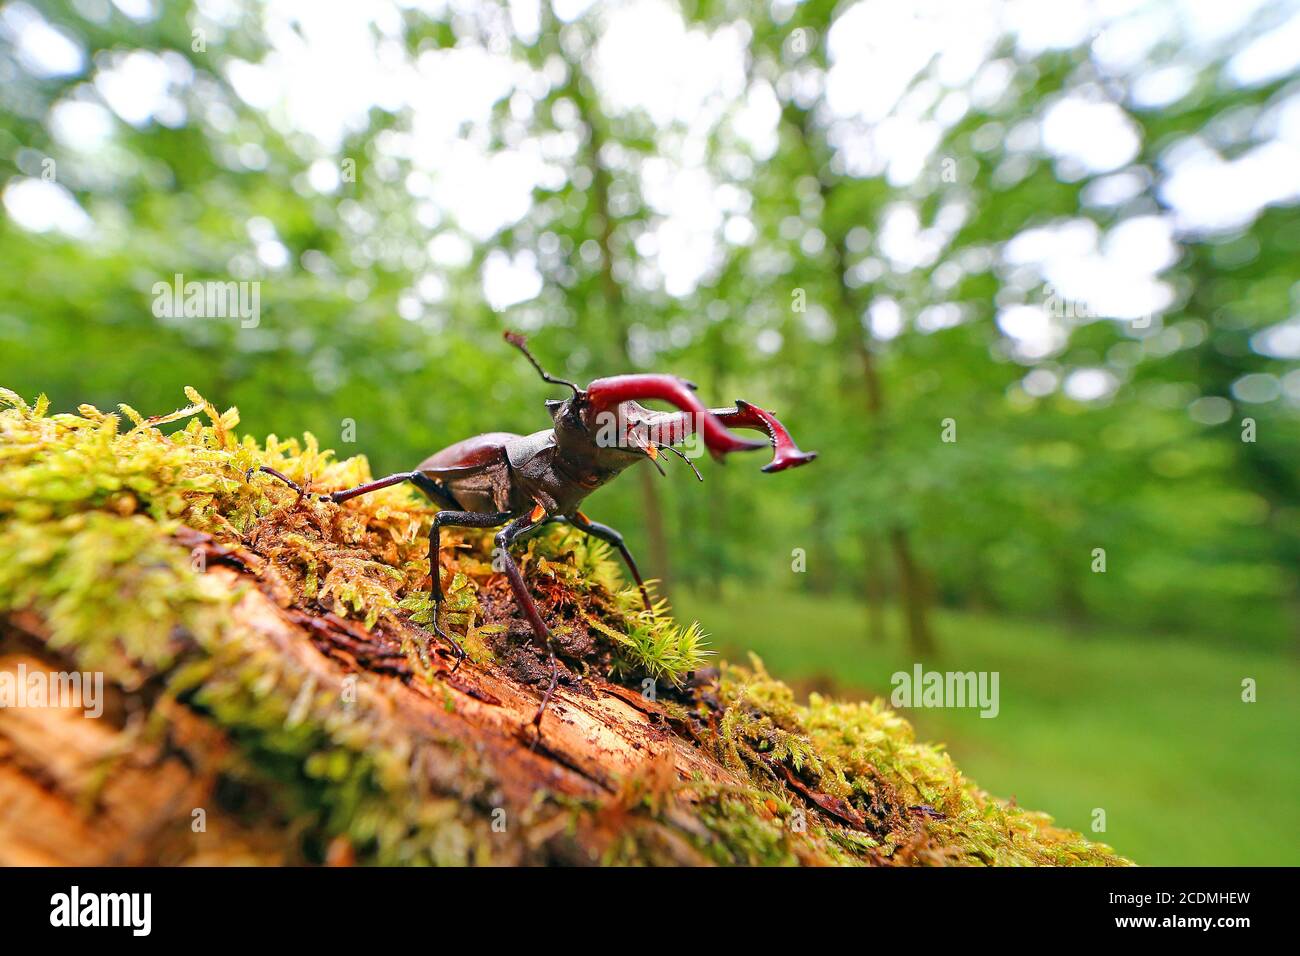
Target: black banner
(332,906)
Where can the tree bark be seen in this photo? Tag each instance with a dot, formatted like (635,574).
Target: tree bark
(77,791)
(877,628)
(913,591)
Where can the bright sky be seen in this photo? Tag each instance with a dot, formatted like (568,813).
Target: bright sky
(331,60)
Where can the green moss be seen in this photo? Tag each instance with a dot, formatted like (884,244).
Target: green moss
(335,769)
(110,588)
(645,642)
(90,510)
(862,760)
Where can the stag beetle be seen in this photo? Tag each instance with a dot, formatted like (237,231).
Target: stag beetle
(527,481)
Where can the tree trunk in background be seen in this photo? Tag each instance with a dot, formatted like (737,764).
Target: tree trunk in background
(982,596)
(1070,594)
(877,627)
(913,590)
(821,567)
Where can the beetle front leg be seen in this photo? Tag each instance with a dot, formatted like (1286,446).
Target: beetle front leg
(610,536)
(519,586)
(455,519)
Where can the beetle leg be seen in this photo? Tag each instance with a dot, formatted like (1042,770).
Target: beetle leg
(504,539)
(248,476)
(610,536)
(418,478)
(457,519)
(435,490)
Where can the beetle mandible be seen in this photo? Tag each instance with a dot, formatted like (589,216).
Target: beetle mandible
(524,482)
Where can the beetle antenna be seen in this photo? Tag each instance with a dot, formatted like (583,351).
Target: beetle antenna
(519,342)
(682,455)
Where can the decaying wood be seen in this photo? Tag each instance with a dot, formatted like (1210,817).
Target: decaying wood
(80,791)
(76,791)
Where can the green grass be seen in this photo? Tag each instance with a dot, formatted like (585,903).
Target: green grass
(1153,731)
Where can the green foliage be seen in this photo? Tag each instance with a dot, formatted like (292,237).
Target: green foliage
(109,588)
(656,645)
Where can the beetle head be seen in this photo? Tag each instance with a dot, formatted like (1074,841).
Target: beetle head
(603,443)
(603,428)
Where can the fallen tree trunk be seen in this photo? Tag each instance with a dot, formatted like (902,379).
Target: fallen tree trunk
(273,693)
(80,791)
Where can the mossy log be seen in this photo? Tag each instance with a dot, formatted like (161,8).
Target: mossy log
(275,694)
